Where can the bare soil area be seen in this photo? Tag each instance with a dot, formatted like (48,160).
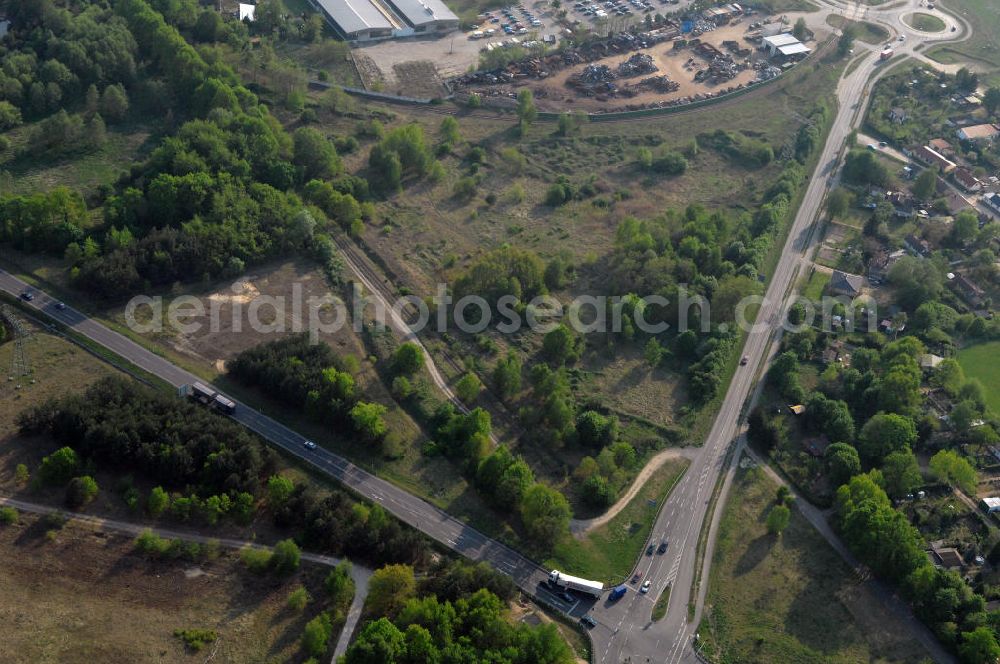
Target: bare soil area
(79,596)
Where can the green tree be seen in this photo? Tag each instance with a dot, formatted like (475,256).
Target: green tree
(842,463)
(838,203)
(799,30)
(279,489)
(467,388)
(59,467)
(408,359)
(297,599)
(979,647)
(545,513)
(916,280)
(885,433)
(380,642)
(21,474)
(991,100)
(949,467)
(561,346)
(925,185)
(158,501)
(339,585)
(316,635)
(285,557)
(314,155)
(114,103)
(507,375)
(526,111)
(367,420)
(389,588)
(777,519)
(901,472)
(846,41)
(80,491)
(10,116)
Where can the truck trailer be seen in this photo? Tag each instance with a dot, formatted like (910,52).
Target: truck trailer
(206,396)
(560,580)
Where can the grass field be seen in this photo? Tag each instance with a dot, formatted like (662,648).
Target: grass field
(610,551)
(25,173)
(925,22)
(982,362)
(984,45)
(813,288)
(791,598)
(82,596)
(865,31)
(59,367)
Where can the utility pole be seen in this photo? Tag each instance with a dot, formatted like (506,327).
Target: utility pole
(20,366)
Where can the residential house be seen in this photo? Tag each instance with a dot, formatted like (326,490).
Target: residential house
(941,146)
(932,157)
(992,201)
(843,283)
(917,246)
(946,557)
(968,290)
(980,133)
(897,115)
(966,180)
(992,503)
(930,361)
(881,263)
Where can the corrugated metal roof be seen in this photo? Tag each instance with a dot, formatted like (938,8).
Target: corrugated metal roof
(419,12)
(793,49)
(781,40)
(355,15)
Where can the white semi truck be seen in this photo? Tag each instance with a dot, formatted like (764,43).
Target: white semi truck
(558,579)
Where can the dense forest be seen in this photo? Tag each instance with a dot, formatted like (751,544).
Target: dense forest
(209,467)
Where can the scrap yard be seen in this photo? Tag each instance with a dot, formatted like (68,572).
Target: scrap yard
(674,64)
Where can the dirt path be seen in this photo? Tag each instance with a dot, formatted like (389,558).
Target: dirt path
(580,527)
(359,574)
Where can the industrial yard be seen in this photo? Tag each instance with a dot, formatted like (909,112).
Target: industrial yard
(662,67)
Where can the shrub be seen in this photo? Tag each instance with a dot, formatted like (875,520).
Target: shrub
(195,639)
(298,599)
(8,516)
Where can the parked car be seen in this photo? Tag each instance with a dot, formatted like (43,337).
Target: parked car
(566,597)
(588,620)
(637,576)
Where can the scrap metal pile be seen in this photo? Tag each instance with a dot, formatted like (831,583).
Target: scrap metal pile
(637,65)
(594,79)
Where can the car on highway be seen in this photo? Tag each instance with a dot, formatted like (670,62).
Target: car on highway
(309,445)
(566,597)
(60,305)
(27,296)
(645,587)
(637,576)
(663,547)
(744,360)
(588,620)
(650,549)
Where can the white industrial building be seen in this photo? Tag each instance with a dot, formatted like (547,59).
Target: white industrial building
(785,45)
(365,20)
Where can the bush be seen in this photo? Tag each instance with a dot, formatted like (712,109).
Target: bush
(298,599)
(467,388)
(285,557)
(195,639)
(256,560)
(8,516)
(80,491)
(316,635)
